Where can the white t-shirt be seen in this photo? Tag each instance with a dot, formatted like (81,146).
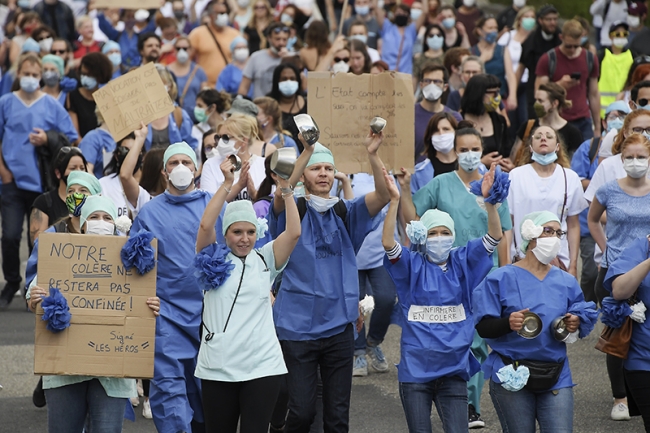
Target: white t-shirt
(112,188)
(605,150)
(212,177)
(514,48)
(530,192)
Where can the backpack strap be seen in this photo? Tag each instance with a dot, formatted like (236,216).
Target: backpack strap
(529,128)
(590,62)
(340,209)
(552,63)
(181,99)
(178,116)
(593,149)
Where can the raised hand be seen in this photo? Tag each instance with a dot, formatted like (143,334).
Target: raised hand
(142,132)
(404,178)
(488,181)
(228,170)
(373,141)
(393,191)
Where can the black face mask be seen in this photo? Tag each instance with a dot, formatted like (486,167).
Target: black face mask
(401,20)
(120,154)
(179,15)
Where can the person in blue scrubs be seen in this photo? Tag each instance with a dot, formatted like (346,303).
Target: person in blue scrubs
(173,218)
(399,36)
(500,302)
(628,277)
(97,145)
(25,117)
(318,300)
(435,304)
(127,38)
(113,51)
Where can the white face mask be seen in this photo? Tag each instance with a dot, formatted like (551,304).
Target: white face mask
(212,153)
(469,161)
(443,142)
(633,21)
(619,42)
(547,249)
(99,227)
(221,20)
(431,92)
(635,168)
(182,56)
(469,3)
(519,3)
(438,248)
(321,204)
(243,3)
(226,149)
(181,177)
(46,44)
(340,67)
(240,54)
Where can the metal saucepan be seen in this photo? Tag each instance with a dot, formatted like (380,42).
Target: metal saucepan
(236,161)
(283,161)
(532,326)
(559,329)
(308,127)
(377,124)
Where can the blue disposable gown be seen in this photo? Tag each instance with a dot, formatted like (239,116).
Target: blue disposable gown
(511,289)
(433,350)
(176,134)
(93,146)
(638,358)
(319,294)
(175,393)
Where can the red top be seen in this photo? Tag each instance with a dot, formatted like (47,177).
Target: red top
(81,50)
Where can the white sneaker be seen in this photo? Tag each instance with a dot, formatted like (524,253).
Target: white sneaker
(140,389)
(146,409)
(135,401)
(360,368)
(620,412)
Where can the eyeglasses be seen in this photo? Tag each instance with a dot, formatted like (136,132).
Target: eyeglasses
(549,232)
(58,51)
(492,92)
(341,59)
(223,137)
(209,147)
(641,59)
(613,116)
(619,34)
(548,136)
(641,130)
(572,47)
(427,81)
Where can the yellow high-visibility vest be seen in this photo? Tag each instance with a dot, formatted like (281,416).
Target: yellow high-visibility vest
(613,73)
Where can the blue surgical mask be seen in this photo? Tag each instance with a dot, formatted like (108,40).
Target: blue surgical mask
(642,107)
(438,248)
(528,23)
(291,42)
(449,23)
(29,84)
(491,37)
(584,40)
(115,58)
(415,14)
(616,123)
(547,159)
(88,82)
(288,88)
(362,10)
(435,42)
(469,161)
(362,38)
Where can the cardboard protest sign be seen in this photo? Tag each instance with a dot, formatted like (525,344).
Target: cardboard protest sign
(139,96)
(112,330)
(129,4)
(344,104)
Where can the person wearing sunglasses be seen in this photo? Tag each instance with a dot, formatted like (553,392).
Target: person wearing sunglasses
(626,201)
(259,69)
(577,70)
(613,62)
(545,182)
(500,303)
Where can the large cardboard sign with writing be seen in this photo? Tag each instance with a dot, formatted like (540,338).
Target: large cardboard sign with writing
(130,4)
(139,96)
(112,330)
(343,105)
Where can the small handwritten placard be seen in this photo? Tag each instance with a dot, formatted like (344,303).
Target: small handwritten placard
(343,105)
(139,96)
(112,330)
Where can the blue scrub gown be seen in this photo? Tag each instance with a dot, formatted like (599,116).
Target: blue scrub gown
(176,134)
(93,146)
(175,393)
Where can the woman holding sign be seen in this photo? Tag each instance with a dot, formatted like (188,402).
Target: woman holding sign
(240,361)
(74,401)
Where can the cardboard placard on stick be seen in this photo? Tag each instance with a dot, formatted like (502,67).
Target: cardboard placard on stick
(139,96)
(343,105)
(112,330)
(129,4)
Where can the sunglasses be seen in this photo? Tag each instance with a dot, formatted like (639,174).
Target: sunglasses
(283,29)
(223,137)
(182,48)
(59,51)
(620,34)
(642,102)
(341,59)
(572,47)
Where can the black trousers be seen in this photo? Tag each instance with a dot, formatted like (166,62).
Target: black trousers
(638,382)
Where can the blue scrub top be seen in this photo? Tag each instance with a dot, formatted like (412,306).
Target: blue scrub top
(230,79)
(433,349)
(392,40)
(585,169)
(510,289)
(288,141)
(638,358)
(176,134)
(189,100)
(128,44)
(93,146)
(17,121)
(319,294)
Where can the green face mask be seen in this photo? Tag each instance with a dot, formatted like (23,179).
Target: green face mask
(540,111)
(200,114)
(74,202)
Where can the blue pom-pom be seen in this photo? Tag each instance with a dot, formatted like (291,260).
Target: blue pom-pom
(499,190)
(68,84)
(138,252)
(614,312)
(416,232)
(211,266)
(56,311)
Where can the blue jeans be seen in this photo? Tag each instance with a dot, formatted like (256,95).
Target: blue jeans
(16,206)
(518,411)
(450,397)
(377,283)
(585,126)
(334,356)
(68,406)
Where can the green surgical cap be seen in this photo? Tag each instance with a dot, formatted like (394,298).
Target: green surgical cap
(96,203)
(539,219)
(56,61)
(321,154)
(84,179)
(436,218)
(238,211)
(181,148)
